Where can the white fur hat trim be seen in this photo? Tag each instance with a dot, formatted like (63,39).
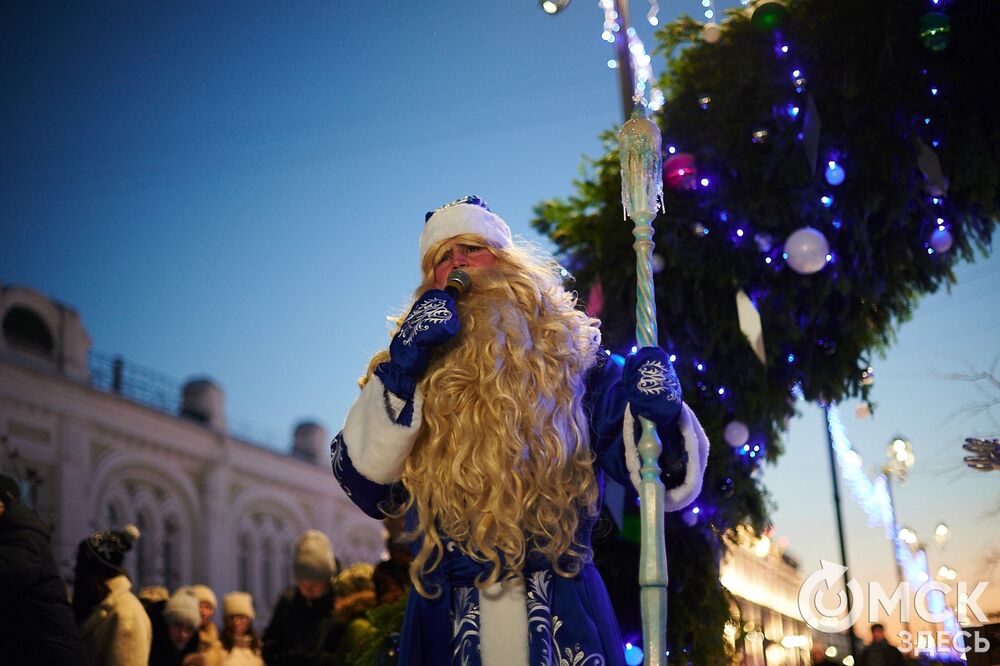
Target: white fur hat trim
(464,218)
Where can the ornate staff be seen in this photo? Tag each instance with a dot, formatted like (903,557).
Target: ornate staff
(642,191)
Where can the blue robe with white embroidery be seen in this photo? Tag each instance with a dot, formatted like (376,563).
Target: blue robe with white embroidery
(570,620)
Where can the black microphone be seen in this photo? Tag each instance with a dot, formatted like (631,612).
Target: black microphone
(458,283)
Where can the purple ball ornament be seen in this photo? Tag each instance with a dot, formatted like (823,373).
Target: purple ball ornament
(680,171)
(941,240)
(806,250)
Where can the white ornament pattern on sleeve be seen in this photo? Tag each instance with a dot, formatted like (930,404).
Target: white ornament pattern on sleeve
(337,460)
(655,378)
(432,311)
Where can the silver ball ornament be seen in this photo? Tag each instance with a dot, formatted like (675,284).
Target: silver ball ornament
(736,434)
(806,250)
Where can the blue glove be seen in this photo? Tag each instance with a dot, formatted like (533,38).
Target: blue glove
(651,386)
(432,321)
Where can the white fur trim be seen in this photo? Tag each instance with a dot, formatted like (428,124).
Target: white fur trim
(377,445)
(696,445)
(461,219)
(503,624)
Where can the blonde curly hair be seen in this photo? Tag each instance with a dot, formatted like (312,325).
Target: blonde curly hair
(502,465)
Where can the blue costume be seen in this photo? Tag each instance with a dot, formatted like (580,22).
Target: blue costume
(570,620)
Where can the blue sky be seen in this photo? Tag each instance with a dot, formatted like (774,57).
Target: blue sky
(237,189)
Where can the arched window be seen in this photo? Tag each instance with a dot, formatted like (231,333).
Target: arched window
(171,575)
(266,569)
(24,329)
(286,564)
(111,515)
(243,565)
(145,557)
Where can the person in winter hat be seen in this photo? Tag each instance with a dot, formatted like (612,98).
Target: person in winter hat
(355,590)
(490,423)
(36,621)
(240,644)
(175,628)
(208,633)
(115,627)
(303,628)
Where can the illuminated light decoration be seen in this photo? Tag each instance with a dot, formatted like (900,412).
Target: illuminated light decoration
(792,111)
(826,200)
(633,654)
(651,15)
(671,149)
(935,30)
(873,496)
(739,232)
(722,390)
(791,358)
(834,173)
(553,6)
(641,61)
(704,182)
(704,101)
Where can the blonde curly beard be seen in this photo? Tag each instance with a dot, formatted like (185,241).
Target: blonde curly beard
(502,464)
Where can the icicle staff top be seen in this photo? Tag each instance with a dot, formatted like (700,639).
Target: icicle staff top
(468,215)
(642,163)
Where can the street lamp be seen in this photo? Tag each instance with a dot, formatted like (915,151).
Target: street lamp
(941,534)
(901,459)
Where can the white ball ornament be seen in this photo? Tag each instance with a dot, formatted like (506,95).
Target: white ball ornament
(806,250)
(711,32)
(941,240)
(736,434)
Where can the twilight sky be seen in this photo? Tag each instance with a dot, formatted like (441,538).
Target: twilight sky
(236,190)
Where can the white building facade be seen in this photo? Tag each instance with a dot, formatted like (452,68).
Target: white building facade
(98,445)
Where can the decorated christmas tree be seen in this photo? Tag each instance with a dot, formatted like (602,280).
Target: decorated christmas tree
(825,165)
